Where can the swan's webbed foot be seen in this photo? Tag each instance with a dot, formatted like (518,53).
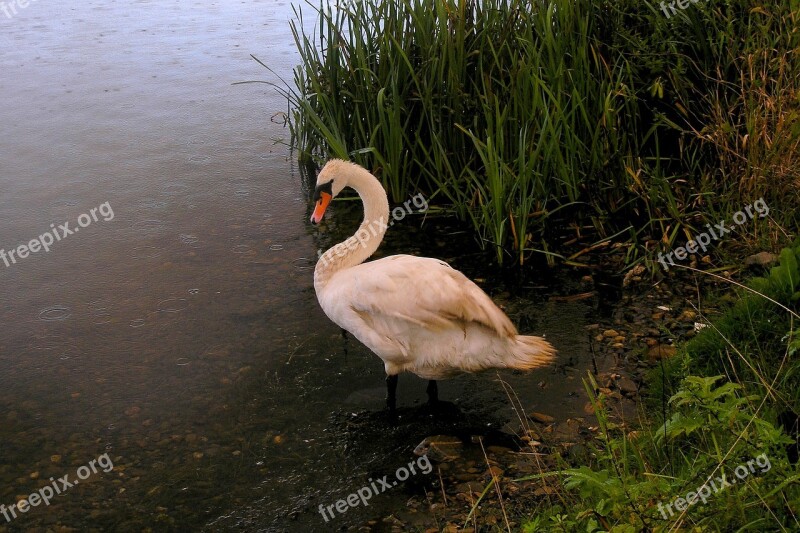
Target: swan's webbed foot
(433,392)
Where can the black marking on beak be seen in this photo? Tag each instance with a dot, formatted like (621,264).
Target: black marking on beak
(325,187)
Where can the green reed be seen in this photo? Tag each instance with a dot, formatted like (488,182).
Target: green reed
(526,114)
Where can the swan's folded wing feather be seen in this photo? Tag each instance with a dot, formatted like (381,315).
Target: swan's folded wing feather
(425,292)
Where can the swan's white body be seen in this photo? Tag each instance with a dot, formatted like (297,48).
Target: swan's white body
(417,314)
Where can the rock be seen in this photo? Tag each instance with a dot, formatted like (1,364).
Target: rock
(578,454)
(610,333)
(632,275)
(440,448)
(606,379)
(494,471)
(497,450)
(541,418)
(469,487)
(626,385)
(661,351)
(761,259)
(687,316)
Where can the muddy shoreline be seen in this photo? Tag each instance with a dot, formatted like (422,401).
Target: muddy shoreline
(482,479)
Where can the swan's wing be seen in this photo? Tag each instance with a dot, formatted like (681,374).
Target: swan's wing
(425,292)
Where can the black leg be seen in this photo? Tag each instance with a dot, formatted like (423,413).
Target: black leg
(344,341)
(433,392)
(391,393)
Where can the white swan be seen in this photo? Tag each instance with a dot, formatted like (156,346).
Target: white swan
(418,314)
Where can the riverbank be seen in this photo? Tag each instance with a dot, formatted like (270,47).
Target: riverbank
(545,471)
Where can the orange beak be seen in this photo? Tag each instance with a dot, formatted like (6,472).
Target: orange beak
(322,205)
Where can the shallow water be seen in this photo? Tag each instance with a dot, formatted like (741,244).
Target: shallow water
(182,335)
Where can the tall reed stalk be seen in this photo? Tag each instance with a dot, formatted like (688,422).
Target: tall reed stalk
(523,114)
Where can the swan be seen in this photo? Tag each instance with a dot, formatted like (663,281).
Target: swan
(418,314)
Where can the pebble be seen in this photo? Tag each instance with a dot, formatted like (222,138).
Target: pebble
(626,385)
(494,472)
(761,259)
(440,448)
(541,418)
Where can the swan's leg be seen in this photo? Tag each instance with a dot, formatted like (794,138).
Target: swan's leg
(433,392)
(344,340)
(391,392)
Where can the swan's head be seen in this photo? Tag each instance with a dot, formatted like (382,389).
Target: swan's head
(330,181)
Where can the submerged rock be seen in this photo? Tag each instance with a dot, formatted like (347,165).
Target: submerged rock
(541,418)
(440,448)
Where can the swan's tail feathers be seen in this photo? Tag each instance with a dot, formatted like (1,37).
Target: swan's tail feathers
(531,352)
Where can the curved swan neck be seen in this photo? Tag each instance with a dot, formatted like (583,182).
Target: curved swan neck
(363,243)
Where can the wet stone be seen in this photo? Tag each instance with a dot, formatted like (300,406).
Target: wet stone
(626,385)
(541,418)
(440,448)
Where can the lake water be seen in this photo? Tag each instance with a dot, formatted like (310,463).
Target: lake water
(179,332)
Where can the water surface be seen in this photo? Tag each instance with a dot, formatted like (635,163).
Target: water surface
(182,335)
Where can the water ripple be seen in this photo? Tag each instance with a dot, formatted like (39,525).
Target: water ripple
(199,159)
(175,188)
(148,227)
(55,313)
(242,249)
(147,252)
(173,305)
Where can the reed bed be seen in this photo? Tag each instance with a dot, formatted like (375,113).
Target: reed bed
(530,116)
